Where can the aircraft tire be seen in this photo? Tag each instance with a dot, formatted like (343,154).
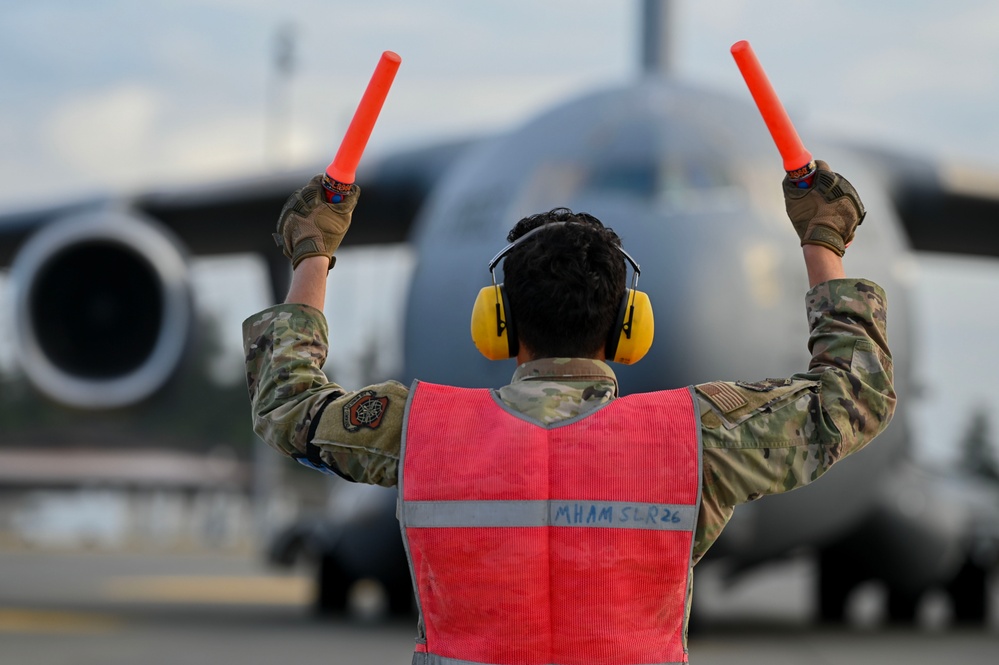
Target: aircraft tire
(400,599)
(969,594)
(332,587)
(836,579)
(902,606)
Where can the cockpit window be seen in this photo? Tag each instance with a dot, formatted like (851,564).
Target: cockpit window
(613,147)
(639,178)
(673,180)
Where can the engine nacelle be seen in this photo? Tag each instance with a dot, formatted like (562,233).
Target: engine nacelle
(102,308)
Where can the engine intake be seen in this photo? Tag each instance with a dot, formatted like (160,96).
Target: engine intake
(102,308)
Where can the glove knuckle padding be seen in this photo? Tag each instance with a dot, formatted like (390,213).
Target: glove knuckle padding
(827,213)
(309,226)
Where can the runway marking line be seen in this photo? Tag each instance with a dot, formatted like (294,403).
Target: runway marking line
(46,621)
(212,589)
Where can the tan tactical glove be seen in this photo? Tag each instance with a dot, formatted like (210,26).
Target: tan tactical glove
(827,213)
(309,226)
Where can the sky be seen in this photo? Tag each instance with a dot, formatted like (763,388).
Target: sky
(109,95)
(117,96)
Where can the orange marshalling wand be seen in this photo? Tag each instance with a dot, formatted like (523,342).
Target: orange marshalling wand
(341,172)
(797,160)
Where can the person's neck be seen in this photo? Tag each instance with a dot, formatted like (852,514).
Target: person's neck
(525,356)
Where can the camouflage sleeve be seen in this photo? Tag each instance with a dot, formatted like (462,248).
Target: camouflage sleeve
(300,413)
(779,434)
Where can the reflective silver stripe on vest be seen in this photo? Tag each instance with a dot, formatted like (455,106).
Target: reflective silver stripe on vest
(420,658)
(598,514)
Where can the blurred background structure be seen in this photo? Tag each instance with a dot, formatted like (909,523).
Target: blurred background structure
(157,110)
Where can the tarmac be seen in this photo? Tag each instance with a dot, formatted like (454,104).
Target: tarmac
(153,608)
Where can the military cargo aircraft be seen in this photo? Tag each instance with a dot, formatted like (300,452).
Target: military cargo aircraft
(687,177)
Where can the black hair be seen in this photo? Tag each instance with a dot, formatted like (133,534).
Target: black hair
(564,284)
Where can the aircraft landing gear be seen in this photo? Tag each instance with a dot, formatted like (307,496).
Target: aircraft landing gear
(837,578)
(968,592)
(400,599)
(903,605)
(332,588)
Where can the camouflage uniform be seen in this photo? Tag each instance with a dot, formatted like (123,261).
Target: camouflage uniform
(759,438)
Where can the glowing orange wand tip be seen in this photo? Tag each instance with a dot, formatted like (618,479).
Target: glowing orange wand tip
(341,172)
(797,160)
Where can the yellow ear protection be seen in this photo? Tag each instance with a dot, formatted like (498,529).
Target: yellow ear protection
(495,335)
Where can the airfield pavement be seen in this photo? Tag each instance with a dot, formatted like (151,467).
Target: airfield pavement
(154,608)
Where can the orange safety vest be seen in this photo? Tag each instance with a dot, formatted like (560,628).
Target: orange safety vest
(534,544)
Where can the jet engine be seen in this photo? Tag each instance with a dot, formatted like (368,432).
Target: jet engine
(101,308)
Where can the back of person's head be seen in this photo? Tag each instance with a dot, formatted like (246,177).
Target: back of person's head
(564,284)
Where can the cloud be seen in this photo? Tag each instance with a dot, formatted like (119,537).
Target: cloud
(135,135)
(230,144)
(104,135)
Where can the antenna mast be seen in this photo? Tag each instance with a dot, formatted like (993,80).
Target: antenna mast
(655,30)
(277,127)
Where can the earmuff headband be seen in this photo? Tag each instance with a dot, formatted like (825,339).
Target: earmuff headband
(493,325)
(636,269)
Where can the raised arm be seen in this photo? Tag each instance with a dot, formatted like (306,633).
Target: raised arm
(309,230)
(296,409)
(822,265)
(308,283)
(825,216)
(775,435)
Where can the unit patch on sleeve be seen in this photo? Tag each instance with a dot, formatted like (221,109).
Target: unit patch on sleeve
(365,410)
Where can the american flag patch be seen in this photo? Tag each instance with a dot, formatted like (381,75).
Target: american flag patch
(723,395)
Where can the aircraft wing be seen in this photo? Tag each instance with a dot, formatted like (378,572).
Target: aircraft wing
(239,215)
(945,207)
